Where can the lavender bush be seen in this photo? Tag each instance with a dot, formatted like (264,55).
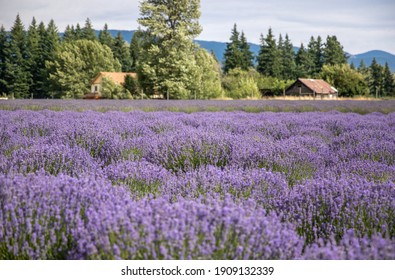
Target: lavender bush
(203,185)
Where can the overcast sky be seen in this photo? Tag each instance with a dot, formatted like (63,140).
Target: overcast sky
(360,25)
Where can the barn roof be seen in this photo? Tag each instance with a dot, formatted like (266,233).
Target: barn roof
(116,77)
(318,86)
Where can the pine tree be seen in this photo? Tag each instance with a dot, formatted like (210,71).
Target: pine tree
(3,56)
(105,37)
(268,58)
(288,60)
(50,44)
(121,52)
(315,52)
(376,78)
(246,55)
(280,51)
(69,34)
(135,48)
(34,52)
(79,33)
(88,32)
(303,63)
(388,81)
(17,67)
(168,64)
(233,55)
(333,52)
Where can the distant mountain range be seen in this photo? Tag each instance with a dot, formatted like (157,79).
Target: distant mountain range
(219,48)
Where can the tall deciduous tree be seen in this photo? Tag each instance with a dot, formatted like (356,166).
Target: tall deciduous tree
(77,63)
(168,64)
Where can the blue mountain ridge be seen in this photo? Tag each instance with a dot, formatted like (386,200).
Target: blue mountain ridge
(219,49)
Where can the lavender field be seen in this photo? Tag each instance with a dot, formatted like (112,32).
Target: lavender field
(199,185)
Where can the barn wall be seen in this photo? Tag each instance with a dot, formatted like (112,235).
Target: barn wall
(295,89)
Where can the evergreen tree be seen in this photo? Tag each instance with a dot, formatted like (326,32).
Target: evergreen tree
(303,63)
(69,34)
(17,68)
(376,78)
(388,81)
(246,54)
(362,67)
(333,52)
(135,48)
(280,51)
(233,55)
(88,32)
(122,53)
(288,60)
(105,37)
(168,64)
(33,56)
(268,58)
(3,56)
(50,43)
(78,32)
(315,52)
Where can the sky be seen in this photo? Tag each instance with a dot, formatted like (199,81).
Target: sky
(360,25)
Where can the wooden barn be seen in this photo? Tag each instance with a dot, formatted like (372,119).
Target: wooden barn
(96,84)
(313,88)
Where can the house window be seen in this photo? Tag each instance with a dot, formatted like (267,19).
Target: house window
(95,88)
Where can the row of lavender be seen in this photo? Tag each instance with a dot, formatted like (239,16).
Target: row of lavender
(203,186)
(189,106)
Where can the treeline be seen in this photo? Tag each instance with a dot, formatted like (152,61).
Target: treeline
(278,65)
(39,63)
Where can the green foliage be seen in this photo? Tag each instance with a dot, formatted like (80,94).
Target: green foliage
(347,81)
(105,37)
(88,32)
(76,63)
(111,90)
(241,84)
(269,63)
(120,50)
(273,86)
(168,65)
(17,68)
(3,56)
(132,85)
(333,52)
(316,56)
(208,77)
(304,62)
(237,53)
